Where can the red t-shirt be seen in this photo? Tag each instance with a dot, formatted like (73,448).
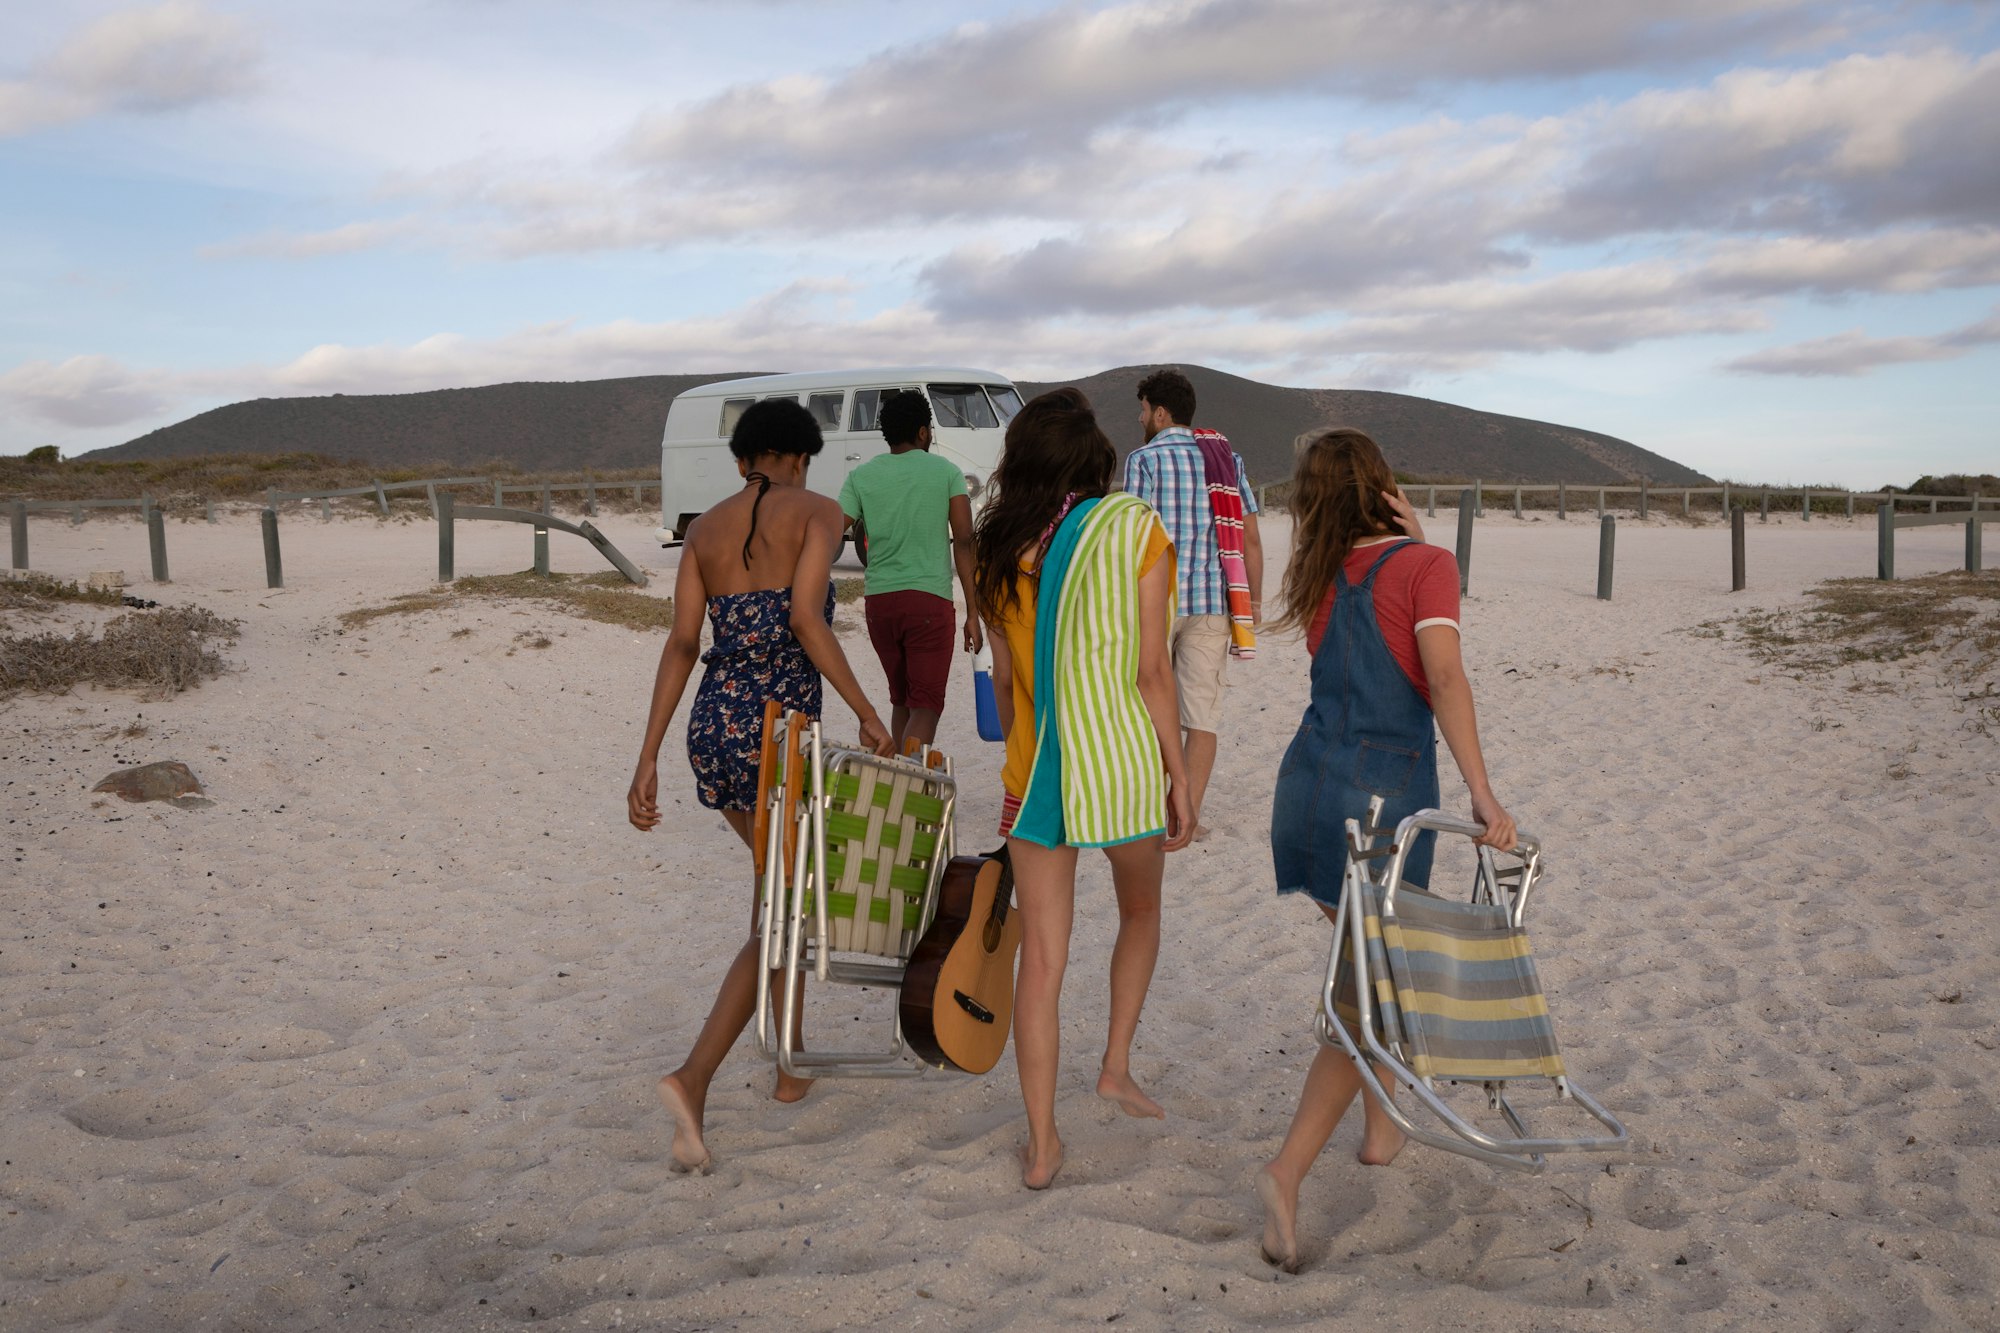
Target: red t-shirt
(1417,588)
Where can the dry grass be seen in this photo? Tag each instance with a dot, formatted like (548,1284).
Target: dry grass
(604,597)
(38,592)
(1852,621)
(159,652)
(182,486)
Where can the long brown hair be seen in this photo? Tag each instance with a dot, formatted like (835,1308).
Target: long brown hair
(1337,499)
(1054,448)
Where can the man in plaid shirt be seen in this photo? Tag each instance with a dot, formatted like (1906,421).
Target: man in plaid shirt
(1166,472)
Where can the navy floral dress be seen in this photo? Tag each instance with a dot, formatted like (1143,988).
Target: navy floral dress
(755,657)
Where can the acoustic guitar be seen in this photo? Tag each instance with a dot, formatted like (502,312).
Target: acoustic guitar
(958,990)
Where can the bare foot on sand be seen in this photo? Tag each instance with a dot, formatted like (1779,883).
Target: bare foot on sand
(1121,1089)
(1281,1219)
(689,1152)
(1201,832)
(1380,1144)
(1038,1171)
(789,1088)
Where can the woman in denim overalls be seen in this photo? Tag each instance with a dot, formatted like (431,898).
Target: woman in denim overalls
(1367,732)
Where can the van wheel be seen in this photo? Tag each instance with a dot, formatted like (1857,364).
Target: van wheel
(860,539)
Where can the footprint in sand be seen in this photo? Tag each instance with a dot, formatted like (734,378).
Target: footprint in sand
(141,1113)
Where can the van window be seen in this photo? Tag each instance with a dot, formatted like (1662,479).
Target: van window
(732,412)
(867,413)
(825,408)
(962,405)
(1005,401)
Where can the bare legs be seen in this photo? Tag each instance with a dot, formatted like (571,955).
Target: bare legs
(1199,747)
(1136,870)
(685,1091)
(912,724)
(1330,1087)
(1045,879)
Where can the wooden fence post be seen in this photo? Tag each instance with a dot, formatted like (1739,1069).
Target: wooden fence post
(208,510)
(1972,560)
(1885,541)
(1562,500)
(590,499)
(545,508)
(1607,536)
(1642,497)
(1517,502)
(431,493)
(1765,516)
(76,515)
(498,491)
(17,527)
(1466,501)
(1805,506)
(542,549)
(1725,497)
(1432,510)
(1738,580)
(1600,502)
(156,539)
(1850,504)
(1687,501)
(325,509)
(1479,499)
(447,536)
(274,565)
(381,498)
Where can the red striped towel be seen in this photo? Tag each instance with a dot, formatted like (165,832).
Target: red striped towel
(1218,465)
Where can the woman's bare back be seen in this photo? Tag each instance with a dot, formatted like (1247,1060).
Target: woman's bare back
(716,538)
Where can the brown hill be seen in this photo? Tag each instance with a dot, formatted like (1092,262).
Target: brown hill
(616,423)
(536,426)
(1421,437)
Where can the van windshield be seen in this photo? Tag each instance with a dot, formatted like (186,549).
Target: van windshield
(1005,401)
(963,405)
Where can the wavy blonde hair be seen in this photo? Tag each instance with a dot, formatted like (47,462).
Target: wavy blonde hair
(1337,499)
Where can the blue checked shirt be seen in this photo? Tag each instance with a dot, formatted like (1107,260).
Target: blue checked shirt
(1166,473)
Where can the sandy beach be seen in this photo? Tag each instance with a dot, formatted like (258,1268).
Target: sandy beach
(371,1041)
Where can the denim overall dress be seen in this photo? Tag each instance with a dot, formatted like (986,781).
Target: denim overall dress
(1367,732)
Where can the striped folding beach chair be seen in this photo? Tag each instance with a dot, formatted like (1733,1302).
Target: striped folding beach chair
(855,847)
(1434,991)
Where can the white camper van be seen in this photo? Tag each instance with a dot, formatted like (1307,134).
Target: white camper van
(970,410)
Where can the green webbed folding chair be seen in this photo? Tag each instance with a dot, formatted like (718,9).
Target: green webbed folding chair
(1439,991)
(855,851)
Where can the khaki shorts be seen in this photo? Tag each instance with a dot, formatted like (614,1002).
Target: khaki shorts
(1201,660)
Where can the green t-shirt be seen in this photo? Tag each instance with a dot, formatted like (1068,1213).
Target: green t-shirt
(904,500)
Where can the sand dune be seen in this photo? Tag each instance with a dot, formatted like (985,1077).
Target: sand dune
(370,1042)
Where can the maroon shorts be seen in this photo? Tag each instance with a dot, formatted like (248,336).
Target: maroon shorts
(912,632)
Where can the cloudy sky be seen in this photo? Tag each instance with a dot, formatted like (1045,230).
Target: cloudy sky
(1759,236)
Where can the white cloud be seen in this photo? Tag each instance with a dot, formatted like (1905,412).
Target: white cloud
(1854,353)
(164,58)
(87,391)
(1052,79)
(1062,114)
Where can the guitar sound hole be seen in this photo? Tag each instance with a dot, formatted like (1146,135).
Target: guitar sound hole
(972,1006)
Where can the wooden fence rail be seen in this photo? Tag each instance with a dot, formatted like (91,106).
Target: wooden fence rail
(1801,499)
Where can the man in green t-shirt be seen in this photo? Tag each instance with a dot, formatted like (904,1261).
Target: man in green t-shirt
(918,522)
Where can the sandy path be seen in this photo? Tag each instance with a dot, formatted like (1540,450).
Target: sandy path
(371,1042)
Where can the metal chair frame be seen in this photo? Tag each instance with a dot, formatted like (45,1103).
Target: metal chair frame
(794,918)
(1509,886)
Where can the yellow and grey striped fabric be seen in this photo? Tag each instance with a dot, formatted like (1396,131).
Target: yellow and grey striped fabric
(1456,988)
(1113,785)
